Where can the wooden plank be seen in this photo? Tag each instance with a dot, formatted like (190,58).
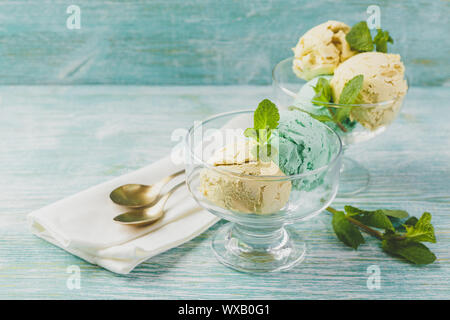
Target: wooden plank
(58,140)
(185,42)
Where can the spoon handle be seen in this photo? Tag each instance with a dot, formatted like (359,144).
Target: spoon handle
(174,188)
(162,201)
(164,181)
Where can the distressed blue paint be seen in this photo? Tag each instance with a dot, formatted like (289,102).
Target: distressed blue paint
(58,140)
(185,42)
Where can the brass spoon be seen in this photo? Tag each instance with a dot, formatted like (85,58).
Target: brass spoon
(144,216)
(140,195)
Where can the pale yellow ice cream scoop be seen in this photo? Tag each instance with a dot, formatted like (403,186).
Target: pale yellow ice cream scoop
(383,82)
(239,188)
(321,50)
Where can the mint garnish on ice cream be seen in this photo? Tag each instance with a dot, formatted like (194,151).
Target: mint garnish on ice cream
(265,119)
(360,39)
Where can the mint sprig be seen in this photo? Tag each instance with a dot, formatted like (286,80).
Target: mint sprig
(377,218)
(381,40)
(360,39)
(265,119)
(323,96)
(323,92)
(404,240)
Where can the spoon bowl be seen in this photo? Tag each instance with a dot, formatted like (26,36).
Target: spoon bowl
(140,195)
(134,195)
(134,217)
(144,216)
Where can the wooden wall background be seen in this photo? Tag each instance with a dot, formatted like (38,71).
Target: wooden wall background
(190,42)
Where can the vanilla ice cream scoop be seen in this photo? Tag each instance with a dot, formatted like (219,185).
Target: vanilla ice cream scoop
(321,49)
(238,187)
(383,82)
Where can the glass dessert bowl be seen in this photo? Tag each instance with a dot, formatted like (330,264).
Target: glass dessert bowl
(259,200)
(365,120)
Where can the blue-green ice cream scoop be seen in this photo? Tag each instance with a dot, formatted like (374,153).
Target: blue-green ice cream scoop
(304,144)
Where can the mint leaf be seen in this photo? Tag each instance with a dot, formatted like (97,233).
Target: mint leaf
(412,251)
(266,115)
(323,92)
(348,95)
(359,37)
(375,218)
(399,214)
(399,223)
(412,221)
(324,96)
(321,118)
(381,40)
(422,231)
(346,231)
(251,133)
(389,235)
(265,119)
(351,211)
(341,114)
(351,90)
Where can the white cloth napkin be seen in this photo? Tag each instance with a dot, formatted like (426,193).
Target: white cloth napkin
(82,224)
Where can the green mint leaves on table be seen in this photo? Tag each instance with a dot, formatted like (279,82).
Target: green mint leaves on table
(347,232)
(422,230)
(360,39)
(265,119)
(412,251)
(399,239)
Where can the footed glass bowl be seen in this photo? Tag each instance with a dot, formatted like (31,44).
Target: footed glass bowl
(257,239)
(370,120)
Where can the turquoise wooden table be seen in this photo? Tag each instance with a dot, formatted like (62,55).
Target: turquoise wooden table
(58,140)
